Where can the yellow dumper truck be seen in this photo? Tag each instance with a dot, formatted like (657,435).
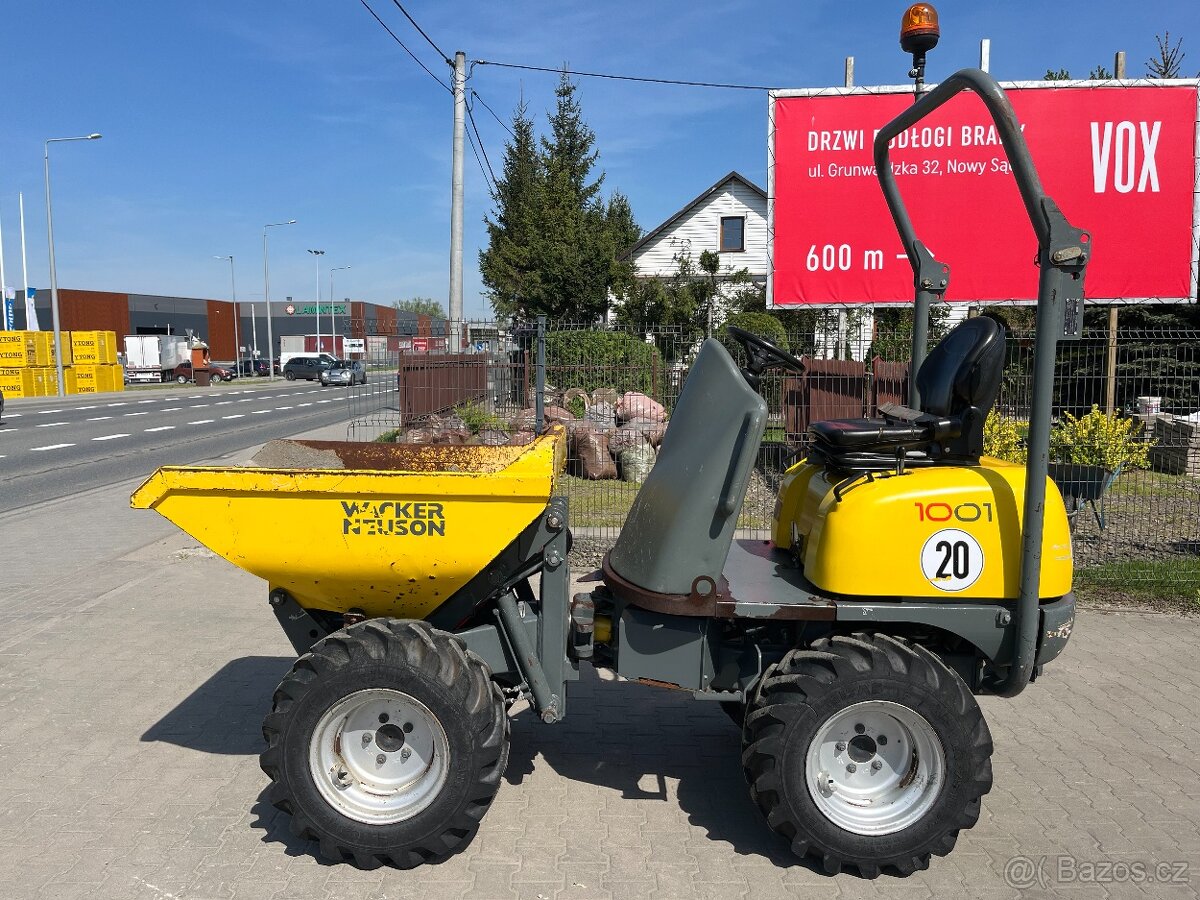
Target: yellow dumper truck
(906,573)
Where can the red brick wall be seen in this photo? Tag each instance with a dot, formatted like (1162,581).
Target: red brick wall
(221,345)
(385,320)
(93,311)
(356,319)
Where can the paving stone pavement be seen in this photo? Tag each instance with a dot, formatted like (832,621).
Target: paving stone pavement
(130,730)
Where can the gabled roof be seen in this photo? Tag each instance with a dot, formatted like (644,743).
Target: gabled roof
(732,176)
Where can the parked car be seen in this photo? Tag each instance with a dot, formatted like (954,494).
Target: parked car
(258,367)
(345,371)
(183,372)
(307,367)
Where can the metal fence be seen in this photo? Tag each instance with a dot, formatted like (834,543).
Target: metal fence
(1142,534)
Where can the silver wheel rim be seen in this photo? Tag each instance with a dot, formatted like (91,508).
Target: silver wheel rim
(875,767)
(379,756)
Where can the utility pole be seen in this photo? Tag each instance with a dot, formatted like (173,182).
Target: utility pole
(456,204)
(267,298)
(1110,377)
(317,254)
(4,286)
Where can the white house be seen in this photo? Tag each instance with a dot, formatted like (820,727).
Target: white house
(730,218)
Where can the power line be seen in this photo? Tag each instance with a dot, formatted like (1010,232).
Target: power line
(503,124)
(478,137)
(490,184)
(439,50)
(707,84)
(441,84)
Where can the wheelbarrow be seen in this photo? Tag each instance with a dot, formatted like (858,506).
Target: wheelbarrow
(1083,486)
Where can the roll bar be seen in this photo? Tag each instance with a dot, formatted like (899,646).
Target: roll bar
(1063,252)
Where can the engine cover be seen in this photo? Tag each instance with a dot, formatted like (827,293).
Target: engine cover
(939,532)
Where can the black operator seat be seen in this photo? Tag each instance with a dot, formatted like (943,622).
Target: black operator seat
(958,382)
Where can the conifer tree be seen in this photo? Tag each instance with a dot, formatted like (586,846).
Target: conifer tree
(507,263)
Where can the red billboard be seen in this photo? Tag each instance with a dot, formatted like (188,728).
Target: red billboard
(1120,161)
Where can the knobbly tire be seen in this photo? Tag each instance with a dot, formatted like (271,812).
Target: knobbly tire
(386,744)
(866,752)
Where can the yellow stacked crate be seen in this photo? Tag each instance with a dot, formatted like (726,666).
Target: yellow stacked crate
(115,376)
(17,382)
(88,379)
(69,385)
(45,381)
(18,348)
(64,343)
(43,348)
(85,348)
(107,343)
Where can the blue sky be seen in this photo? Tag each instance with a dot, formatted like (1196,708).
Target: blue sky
(219,117)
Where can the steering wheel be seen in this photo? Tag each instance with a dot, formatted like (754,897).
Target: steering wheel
(762,354)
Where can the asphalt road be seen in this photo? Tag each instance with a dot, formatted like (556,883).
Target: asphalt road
(56,447)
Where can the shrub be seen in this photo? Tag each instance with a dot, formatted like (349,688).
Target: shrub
(1002,438)
(1098,439)
(596,359)
(576,407)
(476,417)
(759,323)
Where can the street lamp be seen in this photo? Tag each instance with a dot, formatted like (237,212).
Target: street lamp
(333,305)
(267,297)
(58,357)
(237,344)
(317,254)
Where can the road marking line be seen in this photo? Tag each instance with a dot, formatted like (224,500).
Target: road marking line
(324,401)
(119,404)
(49,447)
(201,422)
(161,428)
(172,409)
(82,408)
(45,412)
(143,413)
(15,415)
(99,418)
(110,437)
(223,403)
(198,406)
(234,416)
(146,401)
(280,408)
(51,424)
(246,400)
(301,405)
(259,412)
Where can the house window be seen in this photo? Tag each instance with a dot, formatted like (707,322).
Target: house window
(733,234)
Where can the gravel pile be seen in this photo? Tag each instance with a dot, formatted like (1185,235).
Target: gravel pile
(291,455)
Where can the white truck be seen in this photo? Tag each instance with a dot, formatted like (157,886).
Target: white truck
(292,345)
(153,357)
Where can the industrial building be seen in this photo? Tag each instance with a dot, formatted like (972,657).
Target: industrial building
(224,330)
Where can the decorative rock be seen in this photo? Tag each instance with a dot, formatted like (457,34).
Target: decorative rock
(634,405)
